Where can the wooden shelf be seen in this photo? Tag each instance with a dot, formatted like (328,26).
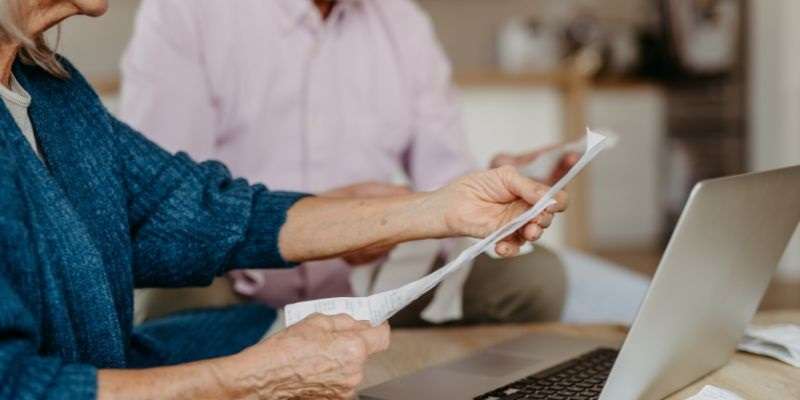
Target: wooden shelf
(490,78)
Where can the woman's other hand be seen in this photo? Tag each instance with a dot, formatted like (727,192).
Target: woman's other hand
(321,357)
(480,203)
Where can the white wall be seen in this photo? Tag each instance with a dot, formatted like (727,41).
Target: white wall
(95,45)
(624,209)
(775,97)
(625,187)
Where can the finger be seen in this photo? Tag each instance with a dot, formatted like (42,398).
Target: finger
(532,232)
(571,159)
(564,165)
(376,338)
(344,322)
(544,219)
(318,321)
(505,249)
(562,202)
(339,322)
(525,188)
(510,246)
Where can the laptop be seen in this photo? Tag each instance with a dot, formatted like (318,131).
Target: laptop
(714,272)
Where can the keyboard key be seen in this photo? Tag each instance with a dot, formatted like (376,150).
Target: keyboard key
(581,378)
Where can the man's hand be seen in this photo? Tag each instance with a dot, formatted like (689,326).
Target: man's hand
(368,190)
(480,203)
(321,357)
(521,160)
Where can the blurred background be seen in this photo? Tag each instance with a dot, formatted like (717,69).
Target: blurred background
(694,89)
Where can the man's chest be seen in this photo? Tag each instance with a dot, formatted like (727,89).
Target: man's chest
(345,83)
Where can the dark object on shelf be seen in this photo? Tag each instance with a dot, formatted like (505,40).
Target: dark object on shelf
(694,39)
(706,111)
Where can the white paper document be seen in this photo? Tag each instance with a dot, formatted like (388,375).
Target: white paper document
(781,342)
(411,261)
(546,162)
(379,307)
(714,393)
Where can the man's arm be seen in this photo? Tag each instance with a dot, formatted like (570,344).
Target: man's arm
(438,151)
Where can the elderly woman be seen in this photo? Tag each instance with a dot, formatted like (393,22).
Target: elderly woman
(89,210)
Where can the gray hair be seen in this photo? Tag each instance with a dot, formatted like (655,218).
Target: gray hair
(34,49)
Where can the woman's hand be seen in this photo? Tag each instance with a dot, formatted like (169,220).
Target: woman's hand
(480,203)
(321,357)
(475,205)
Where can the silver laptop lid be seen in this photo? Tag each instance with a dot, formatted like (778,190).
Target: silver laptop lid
(714,272)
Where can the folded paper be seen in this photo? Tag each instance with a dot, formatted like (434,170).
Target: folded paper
(379,307)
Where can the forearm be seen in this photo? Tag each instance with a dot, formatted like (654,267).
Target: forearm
(319,228)
(197,380)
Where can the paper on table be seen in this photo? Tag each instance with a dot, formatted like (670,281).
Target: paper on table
(714,393)
(781,342)
(379,307)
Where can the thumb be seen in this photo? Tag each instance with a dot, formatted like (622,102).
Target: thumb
(521,186)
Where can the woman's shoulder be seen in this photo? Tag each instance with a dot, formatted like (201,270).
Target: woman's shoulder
(40,82)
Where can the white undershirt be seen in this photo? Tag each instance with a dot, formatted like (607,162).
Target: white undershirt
(17,100)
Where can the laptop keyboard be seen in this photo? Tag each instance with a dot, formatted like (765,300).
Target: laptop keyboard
(580,378)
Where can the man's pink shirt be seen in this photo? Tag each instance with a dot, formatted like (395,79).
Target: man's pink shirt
(285,98)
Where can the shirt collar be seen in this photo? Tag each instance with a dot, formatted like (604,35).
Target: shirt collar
(16,93)
(299,11)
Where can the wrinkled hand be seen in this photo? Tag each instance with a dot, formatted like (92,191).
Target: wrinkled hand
(521,160)
(480,203)
(321,357)
(368,190)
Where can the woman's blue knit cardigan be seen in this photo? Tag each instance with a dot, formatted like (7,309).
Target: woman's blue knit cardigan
(109,211)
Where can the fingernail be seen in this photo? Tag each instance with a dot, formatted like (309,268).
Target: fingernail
(502,249)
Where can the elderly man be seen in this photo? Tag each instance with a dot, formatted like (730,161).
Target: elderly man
(332,97)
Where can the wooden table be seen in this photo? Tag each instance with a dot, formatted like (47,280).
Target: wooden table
(750,376)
